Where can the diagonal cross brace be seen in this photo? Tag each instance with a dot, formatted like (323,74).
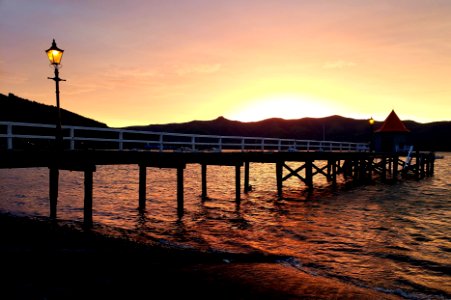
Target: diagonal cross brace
(294,172)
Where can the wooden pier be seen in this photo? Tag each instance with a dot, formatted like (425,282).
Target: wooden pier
(357,166)
(28,145)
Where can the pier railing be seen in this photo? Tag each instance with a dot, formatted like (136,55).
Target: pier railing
(15,135)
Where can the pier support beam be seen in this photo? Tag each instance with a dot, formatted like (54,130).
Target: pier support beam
(204,181)
(180,208)
(279,178)
(422,169)
(87,208)
(363,170)
(177,165)
(88,170)
(370,169)
(329,170)
(142,186)
(53,190)
(417,165)
(333,169)
(246,177)
(395,168)
(390,160)
(356,170)
(432,157)
(432,161)
(237,183)
(309,174)
(384,169)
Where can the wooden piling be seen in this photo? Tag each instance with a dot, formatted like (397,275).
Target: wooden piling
(87,208)
(329,170)
(180,188)
(356,172)
(53,190)
(142,186)
(395,168)
(430,164)
(417,165)
(237,183)
(432,155)
(390,161)
(370,169)
(347,168)
(384,168)
(246,177)
(333,172)
(279,175)
(309,174)
(363,170)
(204,181)
(423,162)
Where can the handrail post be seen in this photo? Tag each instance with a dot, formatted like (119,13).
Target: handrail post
(220,144)
(160,145)
(263,145)
(242,144)
(121,140)
(308,146)
(9,136)
(193,143)
(279,145)
(72,140)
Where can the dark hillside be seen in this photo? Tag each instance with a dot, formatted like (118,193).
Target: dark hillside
(435,136)
(13,108)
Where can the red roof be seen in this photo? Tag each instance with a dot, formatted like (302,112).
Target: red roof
(393,124)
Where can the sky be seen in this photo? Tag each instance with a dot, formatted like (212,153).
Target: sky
(142,62)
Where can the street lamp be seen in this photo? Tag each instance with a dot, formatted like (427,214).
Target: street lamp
(55,55)
(371,122)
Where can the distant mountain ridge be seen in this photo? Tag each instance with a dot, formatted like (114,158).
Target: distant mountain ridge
(306,128)
(429,136)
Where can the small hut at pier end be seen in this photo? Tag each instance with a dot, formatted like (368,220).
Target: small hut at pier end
(392,136)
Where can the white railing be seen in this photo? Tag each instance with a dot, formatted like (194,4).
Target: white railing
(14,135)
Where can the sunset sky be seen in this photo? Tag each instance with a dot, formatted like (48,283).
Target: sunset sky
(149,62)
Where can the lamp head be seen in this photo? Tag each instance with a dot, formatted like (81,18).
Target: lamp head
(54,54)
(371,121)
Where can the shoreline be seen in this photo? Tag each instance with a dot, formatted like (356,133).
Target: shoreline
(47,260)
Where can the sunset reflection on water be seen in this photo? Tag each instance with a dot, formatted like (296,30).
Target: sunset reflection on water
(381,236)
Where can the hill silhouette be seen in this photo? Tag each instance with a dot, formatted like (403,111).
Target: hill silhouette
(432,136)
(13,108)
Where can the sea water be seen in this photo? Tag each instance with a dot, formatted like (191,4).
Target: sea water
(393,238)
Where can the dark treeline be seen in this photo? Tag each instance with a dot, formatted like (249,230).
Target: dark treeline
(428,136)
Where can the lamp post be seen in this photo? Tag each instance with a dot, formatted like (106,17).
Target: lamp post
(371,122)
(55,55)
